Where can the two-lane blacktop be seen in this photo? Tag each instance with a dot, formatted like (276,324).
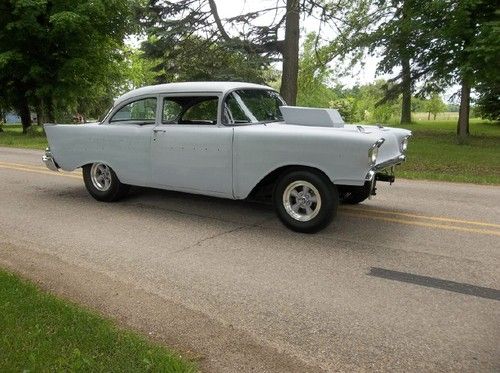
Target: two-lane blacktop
(408,281)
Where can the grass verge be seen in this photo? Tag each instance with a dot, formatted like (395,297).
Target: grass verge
(39,332)
(13,136)
(434,154)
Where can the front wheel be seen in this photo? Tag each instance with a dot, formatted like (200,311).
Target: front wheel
(305,201)
(102,183)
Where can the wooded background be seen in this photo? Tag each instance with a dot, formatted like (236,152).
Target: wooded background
(58,58)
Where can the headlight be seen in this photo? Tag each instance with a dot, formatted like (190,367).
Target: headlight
(373,152)
(372,155)
(404,144)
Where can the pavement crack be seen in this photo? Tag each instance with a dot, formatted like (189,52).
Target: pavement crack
(205,239)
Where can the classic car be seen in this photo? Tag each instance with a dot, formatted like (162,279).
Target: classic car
(230,140)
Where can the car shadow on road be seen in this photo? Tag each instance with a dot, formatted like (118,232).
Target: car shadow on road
(253,225)
(252,217)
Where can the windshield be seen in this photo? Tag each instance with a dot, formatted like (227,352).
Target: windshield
(253,106)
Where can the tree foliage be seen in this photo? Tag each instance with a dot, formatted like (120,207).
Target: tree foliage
(465,50)
(434,105)
(61,54)
(399,32)
(314,77)
(488,102)
(184,26)
(197,59)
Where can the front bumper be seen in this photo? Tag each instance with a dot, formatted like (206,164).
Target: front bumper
(383,171)
(49,161)
(390,163)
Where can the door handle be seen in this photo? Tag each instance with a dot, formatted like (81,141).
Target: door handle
(158,131)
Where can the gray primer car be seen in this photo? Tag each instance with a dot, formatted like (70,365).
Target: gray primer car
(230,140)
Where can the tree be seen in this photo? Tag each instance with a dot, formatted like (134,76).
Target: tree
(139,69)
(488,102)
(466,51)
(197,59)
(434,105)
(400,31)
(55,55)
(314,77)
(362,103)
(184,20)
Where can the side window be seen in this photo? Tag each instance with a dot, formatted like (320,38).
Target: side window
(190,109)
(202,112)
(171,111)
(137,111)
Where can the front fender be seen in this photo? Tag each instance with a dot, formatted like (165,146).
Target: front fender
(259,150)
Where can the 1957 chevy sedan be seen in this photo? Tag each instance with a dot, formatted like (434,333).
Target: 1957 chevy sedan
(230,140)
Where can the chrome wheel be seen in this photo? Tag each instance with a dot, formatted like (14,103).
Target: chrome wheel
(302,200)
(100,174)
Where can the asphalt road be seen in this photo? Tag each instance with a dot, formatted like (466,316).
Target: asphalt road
(408,281)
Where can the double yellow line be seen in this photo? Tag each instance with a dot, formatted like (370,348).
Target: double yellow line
(424,221)
(438,222)
(39,170)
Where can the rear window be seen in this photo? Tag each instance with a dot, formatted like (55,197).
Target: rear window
(143,110)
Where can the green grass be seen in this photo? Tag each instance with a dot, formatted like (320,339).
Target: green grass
(444,116)
(13,136)
(434,154)
(41,333)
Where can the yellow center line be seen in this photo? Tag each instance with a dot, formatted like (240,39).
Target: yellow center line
(22,165)
(423,224)
(434,218)
(35,167)
(40,171)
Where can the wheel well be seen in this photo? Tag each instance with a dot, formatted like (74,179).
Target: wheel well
(89,164)
(264,188)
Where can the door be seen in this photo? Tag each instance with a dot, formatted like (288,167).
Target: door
(124,140)
(190,150)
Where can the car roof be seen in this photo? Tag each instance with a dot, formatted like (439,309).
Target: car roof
(200,87)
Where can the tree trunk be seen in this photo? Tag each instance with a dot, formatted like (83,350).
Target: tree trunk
(24,113)
(2,119)
(291,53)
(463,113)
(49,108)
(39,114)
(429,116)
(406,89)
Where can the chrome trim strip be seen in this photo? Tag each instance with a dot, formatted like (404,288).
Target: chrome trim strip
(48,160)
(389,163)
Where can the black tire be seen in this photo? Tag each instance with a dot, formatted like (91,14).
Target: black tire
(329,200)
(116,190)
(358,195)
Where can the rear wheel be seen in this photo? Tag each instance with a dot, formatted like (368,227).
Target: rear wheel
(305,201)
(102,183)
